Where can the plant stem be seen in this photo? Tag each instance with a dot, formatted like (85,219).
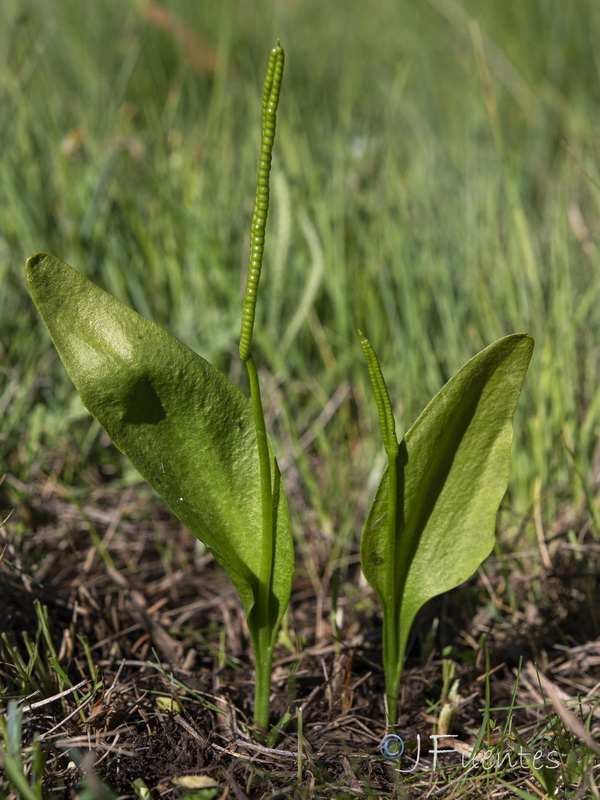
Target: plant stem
(263,662)
(391,654)
(265,486)
(392,657)
(262,645)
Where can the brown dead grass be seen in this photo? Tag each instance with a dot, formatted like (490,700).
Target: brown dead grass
(167,635)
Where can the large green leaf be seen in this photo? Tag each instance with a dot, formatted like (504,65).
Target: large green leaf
(187,429)
(452,472)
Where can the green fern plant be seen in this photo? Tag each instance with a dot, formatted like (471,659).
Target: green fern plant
(193,435)
(188,430)
(432,522)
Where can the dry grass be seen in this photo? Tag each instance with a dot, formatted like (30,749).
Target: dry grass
(135,653)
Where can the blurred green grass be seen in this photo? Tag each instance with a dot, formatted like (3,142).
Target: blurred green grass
(436,184)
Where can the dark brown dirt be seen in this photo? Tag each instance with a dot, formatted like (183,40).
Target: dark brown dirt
(173,694)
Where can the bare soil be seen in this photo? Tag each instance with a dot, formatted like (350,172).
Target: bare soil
(172,698)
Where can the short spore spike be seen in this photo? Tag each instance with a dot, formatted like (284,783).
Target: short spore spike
(382,398)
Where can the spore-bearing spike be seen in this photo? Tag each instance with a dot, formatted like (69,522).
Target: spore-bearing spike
(270,100)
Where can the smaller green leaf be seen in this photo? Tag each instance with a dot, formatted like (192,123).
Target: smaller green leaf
(451,474)
(187,429)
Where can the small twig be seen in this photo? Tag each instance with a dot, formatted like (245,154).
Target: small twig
(67,718)
(270,751)
(58,696)
(312,653)
(111,688)
(84,741)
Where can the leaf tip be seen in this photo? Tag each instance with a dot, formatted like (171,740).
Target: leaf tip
(33,261)
(529,343)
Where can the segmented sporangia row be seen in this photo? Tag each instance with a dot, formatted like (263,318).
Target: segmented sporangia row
(382,398)
(270,101)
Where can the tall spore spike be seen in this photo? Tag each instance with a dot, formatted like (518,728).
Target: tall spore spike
(270,101)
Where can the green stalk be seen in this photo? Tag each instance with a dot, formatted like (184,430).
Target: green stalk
(261,625)
(263,649)
(392,657)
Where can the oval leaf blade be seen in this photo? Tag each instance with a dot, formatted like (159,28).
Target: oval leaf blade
(186,428)
(453,469)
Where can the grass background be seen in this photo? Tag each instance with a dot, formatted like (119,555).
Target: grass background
(436,184)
